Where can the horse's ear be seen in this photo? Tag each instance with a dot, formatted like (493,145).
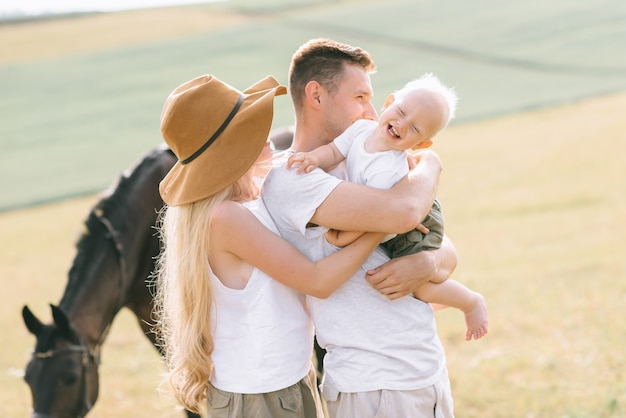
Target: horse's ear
(60,320)
(33,324)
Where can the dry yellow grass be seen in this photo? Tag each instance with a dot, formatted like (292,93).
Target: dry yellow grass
(535,203)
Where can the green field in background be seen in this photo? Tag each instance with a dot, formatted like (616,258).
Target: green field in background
(70,124)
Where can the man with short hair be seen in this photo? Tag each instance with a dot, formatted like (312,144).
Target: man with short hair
(384,357)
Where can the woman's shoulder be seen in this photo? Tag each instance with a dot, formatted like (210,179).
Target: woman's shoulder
(227,210)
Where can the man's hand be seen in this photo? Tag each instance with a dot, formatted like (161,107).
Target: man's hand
(403,275)
(422,229)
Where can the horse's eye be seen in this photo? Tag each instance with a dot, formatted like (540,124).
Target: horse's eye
(68,372)
(69,379)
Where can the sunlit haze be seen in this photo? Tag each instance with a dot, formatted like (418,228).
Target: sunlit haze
(44,7)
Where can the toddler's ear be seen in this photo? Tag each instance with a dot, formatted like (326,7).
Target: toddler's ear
(388,101)
(422,144)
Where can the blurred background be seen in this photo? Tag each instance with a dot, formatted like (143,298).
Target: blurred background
(81,95)
(533,184)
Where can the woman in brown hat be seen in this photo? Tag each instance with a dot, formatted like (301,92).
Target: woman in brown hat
(234,324)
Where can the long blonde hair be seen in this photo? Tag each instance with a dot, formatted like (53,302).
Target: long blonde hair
(184,295)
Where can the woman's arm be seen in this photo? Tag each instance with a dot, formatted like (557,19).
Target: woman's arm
(236,231)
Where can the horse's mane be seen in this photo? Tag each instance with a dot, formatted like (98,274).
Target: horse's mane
(119,198)
(120,193)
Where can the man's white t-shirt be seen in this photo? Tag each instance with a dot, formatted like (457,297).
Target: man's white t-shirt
(372,343)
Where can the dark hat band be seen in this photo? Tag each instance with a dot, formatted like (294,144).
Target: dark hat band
(216,134)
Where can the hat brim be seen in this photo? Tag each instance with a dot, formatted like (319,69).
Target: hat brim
(231,155)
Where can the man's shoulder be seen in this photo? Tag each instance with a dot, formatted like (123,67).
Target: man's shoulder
(282,181)
(280,173)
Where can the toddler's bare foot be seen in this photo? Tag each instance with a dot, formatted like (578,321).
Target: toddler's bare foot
(476,319)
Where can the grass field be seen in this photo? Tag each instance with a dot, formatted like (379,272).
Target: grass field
(534,202)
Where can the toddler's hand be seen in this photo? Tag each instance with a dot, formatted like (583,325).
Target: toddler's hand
(302,161)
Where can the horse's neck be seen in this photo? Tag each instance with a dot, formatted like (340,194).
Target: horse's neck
(114,274)
(90,321)
(104,277)
(93,297)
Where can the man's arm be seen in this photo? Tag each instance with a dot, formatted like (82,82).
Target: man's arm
(401,276)
(354,207)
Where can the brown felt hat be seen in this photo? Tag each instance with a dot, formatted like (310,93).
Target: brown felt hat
(217,133)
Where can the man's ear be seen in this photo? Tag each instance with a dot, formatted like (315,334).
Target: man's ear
(313,93)
(422,144)
(388,101)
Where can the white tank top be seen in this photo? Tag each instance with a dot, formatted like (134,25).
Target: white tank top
(263,333)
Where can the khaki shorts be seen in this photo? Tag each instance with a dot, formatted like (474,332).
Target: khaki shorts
(431,402)
(297,401)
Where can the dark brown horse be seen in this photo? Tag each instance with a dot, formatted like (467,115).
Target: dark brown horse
(114,259)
